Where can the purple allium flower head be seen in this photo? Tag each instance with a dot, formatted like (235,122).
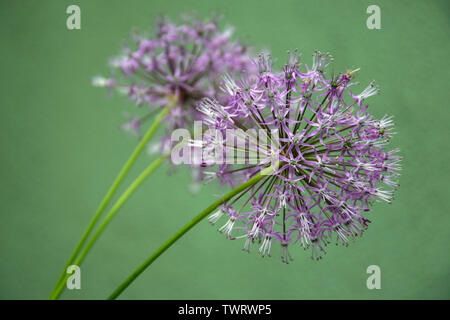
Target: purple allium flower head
(185,60)
(331,156)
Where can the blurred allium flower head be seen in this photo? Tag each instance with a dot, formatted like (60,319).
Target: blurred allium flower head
(184,60)
(333,158)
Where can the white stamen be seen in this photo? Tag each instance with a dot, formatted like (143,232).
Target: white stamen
(285,255)
(216,216)
(371,90)
(229,86)
(228,227)
(264,249)
(99,81)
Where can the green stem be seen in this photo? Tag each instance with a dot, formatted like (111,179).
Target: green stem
(186,228)
(151,131)
(123,198)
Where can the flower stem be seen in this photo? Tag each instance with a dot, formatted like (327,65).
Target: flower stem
(142,143)
(265,172)
(155,164)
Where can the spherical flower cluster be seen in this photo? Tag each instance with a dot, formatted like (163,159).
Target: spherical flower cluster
(183,60)
(329,156)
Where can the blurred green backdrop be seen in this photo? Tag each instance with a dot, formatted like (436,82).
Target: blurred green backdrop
(61,148)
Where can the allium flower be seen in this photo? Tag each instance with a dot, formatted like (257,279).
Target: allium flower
(184,60)
(331,155)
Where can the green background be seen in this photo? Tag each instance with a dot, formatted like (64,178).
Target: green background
(61,148)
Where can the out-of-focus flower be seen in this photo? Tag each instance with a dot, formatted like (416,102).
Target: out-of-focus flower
(185,60)
(329,155)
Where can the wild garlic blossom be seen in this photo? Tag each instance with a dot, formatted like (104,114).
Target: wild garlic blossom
(185,60)
(333,160)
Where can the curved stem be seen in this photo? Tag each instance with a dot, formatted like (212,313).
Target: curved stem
(148,135)
(123,198)
(186,228)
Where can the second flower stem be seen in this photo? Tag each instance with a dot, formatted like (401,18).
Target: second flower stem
(137,151)
(155,164)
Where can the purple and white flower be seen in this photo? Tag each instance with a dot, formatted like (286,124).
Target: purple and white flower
(332,161)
